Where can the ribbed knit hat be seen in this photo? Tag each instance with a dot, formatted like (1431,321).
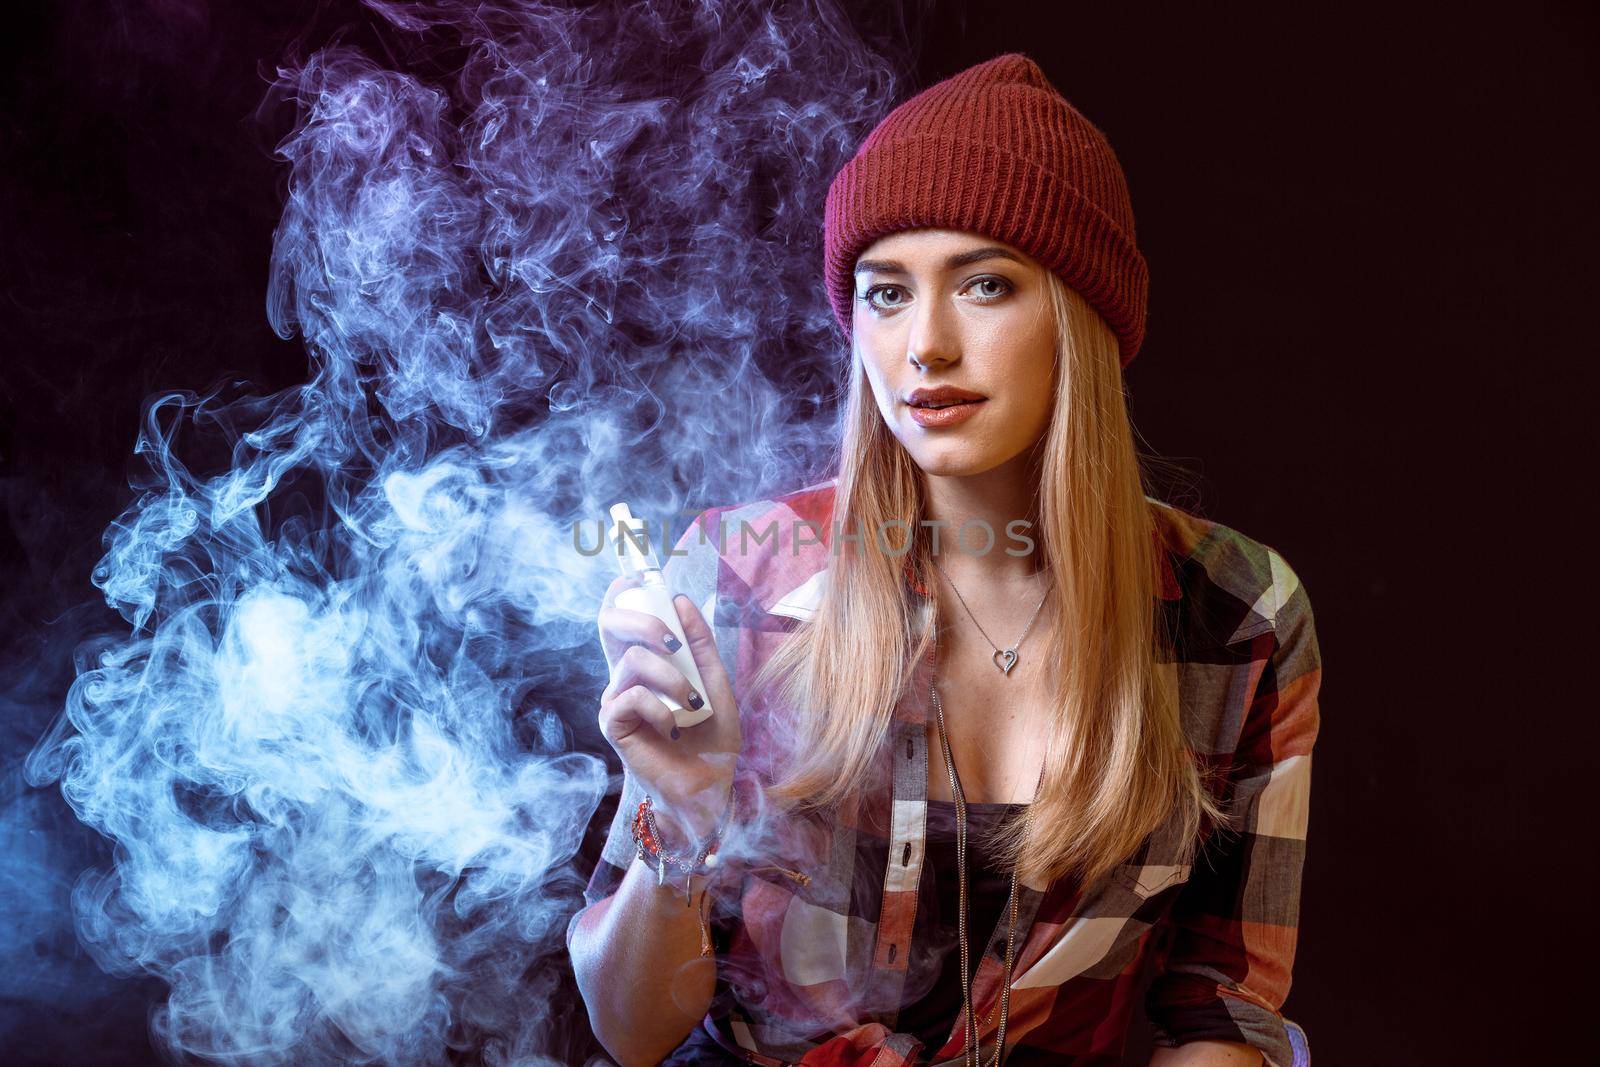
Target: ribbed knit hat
(995,150)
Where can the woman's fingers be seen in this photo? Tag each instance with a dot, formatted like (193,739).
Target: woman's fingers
(703,645)
(622,627)
(632,710)
(640,666)
(687,769)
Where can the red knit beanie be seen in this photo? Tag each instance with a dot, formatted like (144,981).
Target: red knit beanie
(995,150)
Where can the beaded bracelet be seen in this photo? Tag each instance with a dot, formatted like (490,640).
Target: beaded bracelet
(648,840)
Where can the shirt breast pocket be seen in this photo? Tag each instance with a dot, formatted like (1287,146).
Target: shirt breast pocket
(1146,880)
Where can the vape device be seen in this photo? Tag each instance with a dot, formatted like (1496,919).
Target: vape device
(652,597)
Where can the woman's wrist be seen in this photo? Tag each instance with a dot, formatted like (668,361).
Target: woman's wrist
(670,893)
(697,852)
(690,823)
(692,868)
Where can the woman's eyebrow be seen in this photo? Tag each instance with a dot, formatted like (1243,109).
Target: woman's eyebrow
(962,259)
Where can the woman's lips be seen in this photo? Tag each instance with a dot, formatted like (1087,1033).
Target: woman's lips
(939,418)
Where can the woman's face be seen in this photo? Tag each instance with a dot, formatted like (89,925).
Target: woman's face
(945,308)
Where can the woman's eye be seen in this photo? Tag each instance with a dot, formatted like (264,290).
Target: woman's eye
(886,296)
(990,288)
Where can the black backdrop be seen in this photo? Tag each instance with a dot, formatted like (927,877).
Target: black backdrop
(1371,237)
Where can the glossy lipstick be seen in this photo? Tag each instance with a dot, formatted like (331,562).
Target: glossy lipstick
(944,406)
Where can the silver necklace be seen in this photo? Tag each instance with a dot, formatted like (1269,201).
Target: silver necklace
(1004,658)
(970,1052)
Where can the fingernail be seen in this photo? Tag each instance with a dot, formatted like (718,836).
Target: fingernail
(672,643)
(674,733)
(694,700)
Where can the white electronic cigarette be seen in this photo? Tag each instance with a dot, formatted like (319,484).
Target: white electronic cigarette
(652,597)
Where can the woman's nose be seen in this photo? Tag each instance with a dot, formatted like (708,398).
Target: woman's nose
(932,338)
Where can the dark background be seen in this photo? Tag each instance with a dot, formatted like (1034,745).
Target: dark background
(1371,238)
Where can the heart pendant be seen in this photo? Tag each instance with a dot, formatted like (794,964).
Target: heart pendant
(1005,660)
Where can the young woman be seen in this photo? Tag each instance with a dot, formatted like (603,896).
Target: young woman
(1000,743)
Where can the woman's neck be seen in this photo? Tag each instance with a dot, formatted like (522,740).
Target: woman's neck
(984,506)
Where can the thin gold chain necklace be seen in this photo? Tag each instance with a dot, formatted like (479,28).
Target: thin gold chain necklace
(970,1052)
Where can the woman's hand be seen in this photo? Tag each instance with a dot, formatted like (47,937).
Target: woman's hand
(687,771)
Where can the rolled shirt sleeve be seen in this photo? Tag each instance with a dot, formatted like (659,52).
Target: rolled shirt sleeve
(1234,926)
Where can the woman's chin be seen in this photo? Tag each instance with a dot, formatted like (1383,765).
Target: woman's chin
(954,460)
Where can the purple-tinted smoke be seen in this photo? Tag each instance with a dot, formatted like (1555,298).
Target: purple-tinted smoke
(334,750)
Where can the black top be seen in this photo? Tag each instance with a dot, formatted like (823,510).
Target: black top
(932,1016)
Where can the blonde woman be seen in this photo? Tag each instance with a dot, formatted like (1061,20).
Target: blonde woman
(1000,743)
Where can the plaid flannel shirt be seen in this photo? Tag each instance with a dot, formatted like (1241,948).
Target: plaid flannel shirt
(815,973)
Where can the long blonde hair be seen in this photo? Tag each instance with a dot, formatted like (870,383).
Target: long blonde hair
(1116,762)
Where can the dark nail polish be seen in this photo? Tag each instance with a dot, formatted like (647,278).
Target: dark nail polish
(671,642)
(674,733)
(694,700)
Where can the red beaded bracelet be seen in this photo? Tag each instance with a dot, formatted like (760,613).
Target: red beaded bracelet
(647,836)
